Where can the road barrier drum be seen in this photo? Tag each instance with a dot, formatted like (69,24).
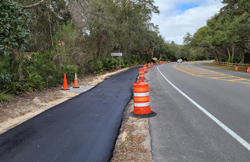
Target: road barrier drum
(156,62)
(152,64)
(248,69)
(141,98)
(236,68)
(149,66)
(141,73)
(160,62)
(145,68)
(168,61)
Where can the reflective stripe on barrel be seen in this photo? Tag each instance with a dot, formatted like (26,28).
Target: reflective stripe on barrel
(236,68)
(248,69)
(141,94)
(141,73)
(142,104)
(149,66)
(145,68)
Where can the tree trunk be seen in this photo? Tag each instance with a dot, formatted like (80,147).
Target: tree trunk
(233,50)
(228,51)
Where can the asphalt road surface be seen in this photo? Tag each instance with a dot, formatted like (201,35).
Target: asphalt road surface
(203,113)
(82,129)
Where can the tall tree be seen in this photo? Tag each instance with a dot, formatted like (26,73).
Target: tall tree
(47,16)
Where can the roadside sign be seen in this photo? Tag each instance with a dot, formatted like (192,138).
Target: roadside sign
(116,54)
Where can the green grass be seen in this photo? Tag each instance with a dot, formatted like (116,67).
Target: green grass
(4,96)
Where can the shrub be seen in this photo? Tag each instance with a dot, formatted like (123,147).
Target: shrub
(107,64)
(70,71)
(235,60)
(41,64)
(34,82)
(222,59)
(8,76)
(4,96)
(65,45)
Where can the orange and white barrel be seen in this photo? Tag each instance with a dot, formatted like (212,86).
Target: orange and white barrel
(156,62)
(248,69)
(168,61)
(145,68)
(141,98)
(152,64)
(236,68)
(149,66)
(141,73)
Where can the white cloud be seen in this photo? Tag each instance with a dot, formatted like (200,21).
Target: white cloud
(174,24)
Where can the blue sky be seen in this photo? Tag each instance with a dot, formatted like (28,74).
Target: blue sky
(186,6)
(177,17)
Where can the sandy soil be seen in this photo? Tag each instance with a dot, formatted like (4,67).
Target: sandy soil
(133,143)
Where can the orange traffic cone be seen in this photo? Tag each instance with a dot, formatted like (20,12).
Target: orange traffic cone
(65,85)
(76,82)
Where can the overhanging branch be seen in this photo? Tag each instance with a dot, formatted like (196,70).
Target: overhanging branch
(33,5)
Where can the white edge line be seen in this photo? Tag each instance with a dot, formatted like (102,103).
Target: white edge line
(223,126)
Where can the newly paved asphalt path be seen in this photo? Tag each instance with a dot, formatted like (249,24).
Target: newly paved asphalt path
(82,129)
(181,131)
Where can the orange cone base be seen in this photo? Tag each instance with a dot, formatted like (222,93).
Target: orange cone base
(76,87)
(64,89)
(142,110)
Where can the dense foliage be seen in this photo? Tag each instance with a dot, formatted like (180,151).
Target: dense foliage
(42,39)
(13,31)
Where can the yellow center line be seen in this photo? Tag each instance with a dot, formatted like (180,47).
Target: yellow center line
(204,73)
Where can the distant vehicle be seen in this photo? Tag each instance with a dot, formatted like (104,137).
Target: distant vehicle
(179,61)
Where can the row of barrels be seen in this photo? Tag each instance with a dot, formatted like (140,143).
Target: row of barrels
(141,91)
(237,68)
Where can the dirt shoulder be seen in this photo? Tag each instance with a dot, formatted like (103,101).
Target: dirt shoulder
(133,143)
